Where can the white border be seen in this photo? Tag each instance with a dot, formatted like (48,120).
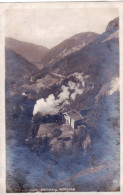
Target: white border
(3,7)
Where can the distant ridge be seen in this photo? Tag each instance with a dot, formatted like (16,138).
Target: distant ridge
(68,46)
(31,52)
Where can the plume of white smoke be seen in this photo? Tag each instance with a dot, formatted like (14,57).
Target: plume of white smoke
(46,106)
(66,102)
(76,88)
(114,86)
(51,105)
(80,77)
(64,94)
(72,85)
(77,92)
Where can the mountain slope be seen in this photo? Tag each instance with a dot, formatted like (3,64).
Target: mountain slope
(18,69)
(68,46)
(99,59)
(94,58)
(31,52)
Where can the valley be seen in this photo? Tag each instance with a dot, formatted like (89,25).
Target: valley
(79,75)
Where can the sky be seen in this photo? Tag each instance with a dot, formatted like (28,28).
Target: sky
(50,26)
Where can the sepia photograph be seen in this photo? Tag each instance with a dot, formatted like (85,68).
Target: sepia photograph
(62,99)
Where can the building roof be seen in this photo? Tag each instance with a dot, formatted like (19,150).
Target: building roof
(74,114)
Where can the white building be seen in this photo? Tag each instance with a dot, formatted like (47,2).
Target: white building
(73,118)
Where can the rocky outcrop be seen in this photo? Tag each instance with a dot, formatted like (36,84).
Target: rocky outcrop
(113,25)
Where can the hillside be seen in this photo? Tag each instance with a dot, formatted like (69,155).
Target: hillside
(67,47)
(31,52)
(99,60)
(90,59)
(18,71)
(86,78)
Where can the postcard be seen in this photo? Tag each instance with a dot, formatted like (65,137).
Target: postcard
(61,104)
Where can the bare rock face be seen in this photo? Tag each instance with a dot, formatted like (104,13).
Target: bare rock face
(113,25)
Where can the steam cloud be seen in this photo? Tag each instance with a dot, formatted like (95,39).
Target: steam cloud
(75,87)
(114,85)
(50,105)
